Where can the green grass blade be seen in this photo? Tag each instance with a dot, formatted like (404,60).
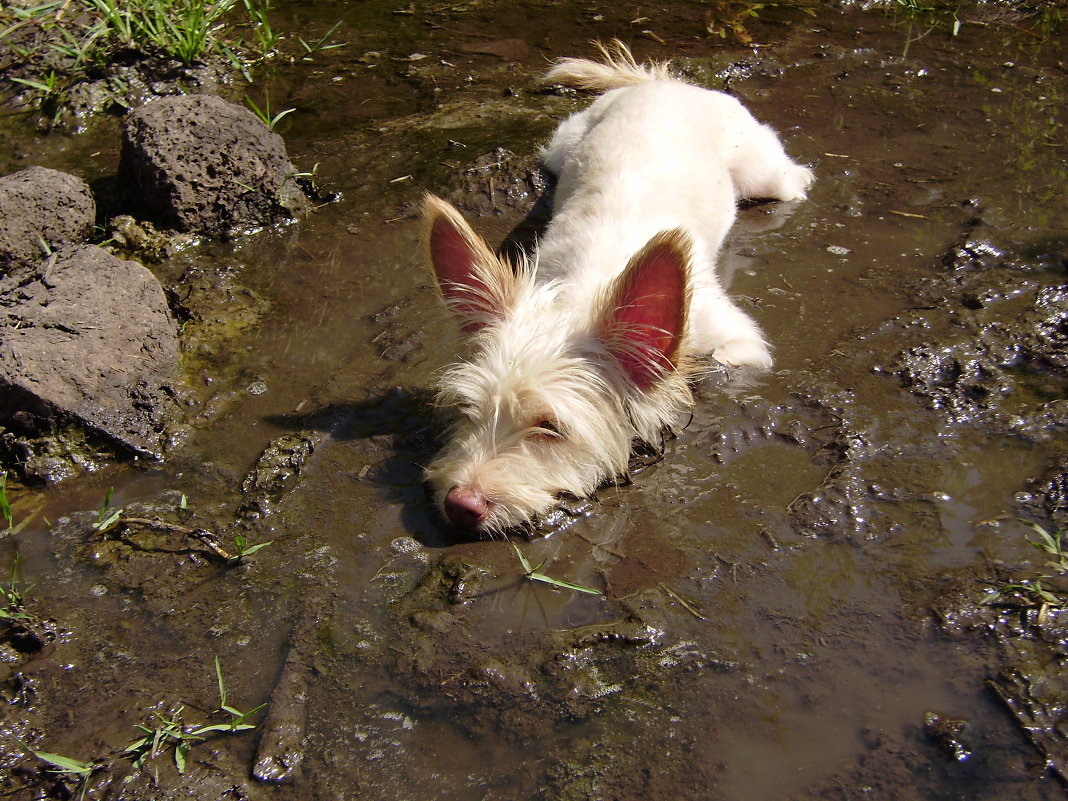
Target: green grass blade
(66,764)
(222,686)
(239,721)
(522,559)
(40,87)
(258,111)
(104,520)
(137,745)
(221,727)
(532,573)
(1047,542)
(5,507)
(254,548)
(279,115)
(112,519)
(200,731)
(567,585)
(180,752)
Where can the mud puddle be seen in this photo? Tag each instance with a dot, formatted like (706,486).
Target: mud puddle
(791,597)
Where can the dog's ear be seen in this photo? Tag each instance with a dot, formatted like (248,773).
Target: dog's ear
(475,284)
(643,321)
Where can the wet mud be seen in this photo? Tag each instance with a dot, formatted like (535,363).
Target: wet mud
(823,589)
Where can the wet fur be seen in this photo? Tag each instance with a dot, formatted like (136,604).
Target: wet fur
(577,353)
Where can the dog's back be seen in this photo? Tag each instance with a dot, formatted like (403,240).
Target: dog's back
(655,153)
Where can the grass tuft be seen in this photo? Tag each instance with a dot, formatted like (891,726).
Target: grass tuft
(87,35)
(170,730)
(1030,590)
(14,604)
(265,113)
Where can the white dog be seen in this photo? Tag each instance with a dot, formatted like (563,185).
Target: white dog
(589,347)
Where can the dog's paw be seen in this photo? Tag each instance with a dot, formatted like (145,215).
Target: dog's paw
(795,182)
(743,353)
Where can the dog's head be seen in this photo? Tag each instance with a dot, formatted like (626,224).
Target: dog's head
(550,397)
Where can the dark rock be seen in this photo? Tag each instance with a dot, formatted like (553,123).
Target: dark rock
(974,254)
(1050,491)
(42,210)
(87,340)
(947,732)
(965,381)
(276,472)
(202,165)
(1036,700)
(1047,336)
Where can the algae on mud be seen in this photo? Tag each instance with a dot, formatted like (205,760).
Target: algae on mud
(89,340)
(814,517)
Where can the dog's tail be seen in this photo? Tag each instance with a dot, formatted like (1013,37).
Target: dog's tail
(616,69)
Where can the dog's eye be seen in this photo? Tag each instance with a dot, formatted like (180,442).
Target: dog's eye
(545,430)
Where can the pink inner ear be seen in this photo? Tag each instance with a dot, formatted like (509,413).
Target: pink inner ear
(451,256)
(453,261)
(651,313)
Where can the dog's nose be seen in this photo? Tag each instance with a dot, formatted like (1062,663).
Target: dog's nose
(466,507)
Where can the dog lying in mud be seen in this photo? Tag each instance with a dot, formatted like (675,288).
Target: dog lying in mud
(589,346)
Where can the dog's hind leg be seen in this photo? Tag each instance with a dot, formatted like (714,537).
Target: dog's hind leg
(573,130)
(570,132)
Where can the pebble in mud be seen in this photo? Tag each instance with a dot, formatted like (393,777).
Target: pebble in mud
(275,473)
(948,733)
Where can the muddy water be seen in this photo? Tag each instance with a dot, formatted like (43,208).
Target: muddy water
(766,629)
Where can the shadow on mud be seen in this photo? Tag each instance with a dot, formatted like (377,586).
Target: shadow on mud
(404,425)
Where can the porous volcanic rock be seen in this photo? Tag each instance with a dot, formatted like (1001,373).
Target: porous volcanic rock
(85,340)
(42,210)
(199,164)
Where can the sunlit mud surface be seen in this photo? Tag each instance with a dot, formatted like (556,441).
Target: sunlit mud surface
(791,604)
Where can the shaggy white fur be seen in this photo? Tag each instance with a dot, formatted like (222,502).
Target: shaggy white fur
(585,349)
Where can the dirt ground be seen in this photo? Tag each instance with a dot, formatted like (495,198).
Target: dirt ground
(798,599)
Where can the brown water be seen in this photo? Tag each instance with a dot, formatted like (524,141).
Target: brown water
(766,630)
